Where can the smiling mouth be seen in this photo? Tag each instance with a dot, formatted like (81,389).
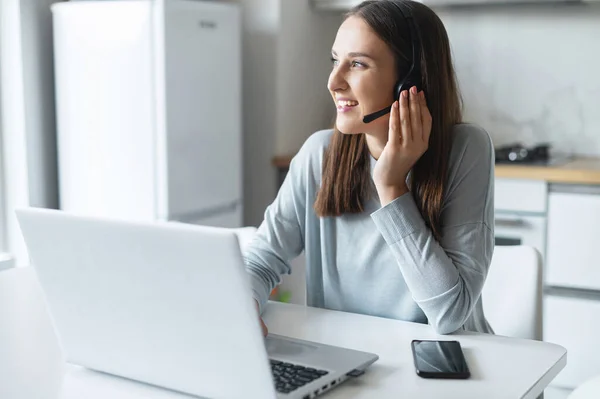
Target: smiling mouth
(346,105)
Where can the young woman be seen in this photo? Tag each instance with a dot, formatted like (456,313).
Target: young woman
(394,206)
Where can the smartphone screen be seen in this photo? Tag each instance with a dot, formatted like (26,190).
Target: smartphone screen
(439,359)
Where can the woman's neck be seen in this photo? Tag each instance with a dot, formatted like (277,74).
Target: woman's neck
(376,143)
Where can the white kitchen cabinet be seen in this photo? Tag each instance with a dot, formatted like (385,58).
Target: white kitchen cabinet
(520,212)
(520,195)
(573,240)
(518,229)
(574,323)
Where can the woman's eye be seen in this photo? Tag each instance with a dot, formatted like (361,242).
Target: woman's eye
(353,64)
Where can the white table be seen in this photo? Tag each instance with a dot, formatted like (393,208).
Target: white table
(500,367)
(31,365)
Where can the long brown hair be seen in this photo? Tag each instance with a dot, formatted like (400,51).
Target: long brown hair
(346,181)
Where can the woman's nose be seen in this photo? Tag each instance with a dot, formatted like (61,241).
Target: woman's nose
(337,80)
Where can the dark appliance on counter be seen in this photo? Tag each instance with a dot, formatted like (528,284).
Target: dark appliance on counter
(519,154)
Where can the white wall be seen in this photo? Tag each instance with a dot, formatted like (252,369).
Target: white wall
(304,63)
(286,64)
(531,73)
(261,26)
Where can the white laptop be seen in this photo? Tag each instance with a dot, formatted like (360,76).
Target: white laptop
(170,304)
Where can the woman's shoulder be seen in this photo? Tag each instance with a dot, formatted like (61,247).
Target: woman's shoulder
(471,134)
(317,141)
(311,152)
(471,142)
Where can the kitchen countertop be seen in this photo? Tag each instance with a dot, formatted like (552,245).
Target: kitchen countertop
(577,170)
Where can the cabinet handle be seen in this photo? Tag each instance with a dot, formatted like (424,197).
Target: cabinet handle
(514,221)
(571,292)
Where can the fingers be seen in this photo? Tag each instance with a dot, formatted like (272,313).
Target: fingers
(264,328)
(405,119)
(416,126)
(394,129)
(410,119)
(425,117)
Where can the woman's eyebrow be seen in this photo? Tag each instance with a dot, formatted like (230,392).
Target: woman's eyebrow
(355,54)
(359,54)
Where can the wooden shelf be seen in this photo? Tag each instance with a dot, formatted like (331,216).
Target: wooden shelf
(282,161)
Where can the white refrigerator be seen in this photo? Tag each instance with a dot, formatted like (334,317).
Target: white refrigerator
(148,97)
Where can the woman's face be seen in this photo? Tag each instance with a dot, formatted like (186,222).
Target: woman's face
(362,77)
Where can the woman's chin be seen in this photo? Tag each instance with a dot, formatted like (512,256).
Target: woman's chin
(348,127)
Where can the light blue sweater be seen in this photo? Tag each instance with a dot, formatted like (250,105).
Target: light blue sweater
(385,261)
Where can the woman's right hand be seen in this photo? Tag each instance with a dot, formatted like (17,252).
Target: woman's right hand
(263,326)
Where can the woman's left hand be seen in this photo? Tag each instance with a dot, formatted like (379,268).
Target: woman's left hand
(408,139)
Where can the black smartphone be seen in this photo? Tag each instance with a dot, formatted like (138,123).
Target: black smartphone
(439,359)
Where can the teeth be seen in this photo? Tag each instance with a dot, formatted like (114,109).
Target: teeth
(348,103)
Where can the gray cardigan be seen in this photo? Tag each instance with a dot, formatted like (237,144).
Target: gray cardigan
(385,261)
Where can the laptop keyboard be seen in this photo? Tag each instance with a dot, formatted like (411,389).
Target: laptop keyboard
(288,376)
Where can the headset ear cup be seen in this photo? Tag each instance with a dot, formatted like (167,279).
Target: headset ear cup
(401,86)
(397,90)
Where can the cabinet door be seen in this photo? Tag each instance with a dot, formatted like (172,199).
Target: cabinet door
(574,323)
(518,229)
(573,241)
(520,195)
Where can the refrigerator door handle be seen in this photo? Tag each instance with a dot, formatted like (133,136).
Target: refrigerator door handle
(206,212)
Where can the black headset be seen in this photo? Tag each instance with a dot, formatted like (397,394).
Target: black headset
(413,76)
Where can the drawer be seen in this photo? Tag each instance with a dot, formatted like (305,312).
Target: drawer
(572,243)
(520,195)
(574,324)
(519,229)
